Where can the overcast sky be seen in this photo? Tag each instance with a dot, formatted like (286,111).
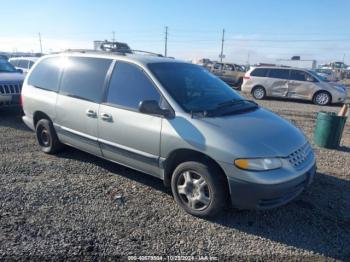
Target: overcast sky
(258,31)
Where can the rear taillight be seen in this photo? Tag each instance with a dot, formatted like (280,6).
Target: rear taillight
(21,100)
(246,77)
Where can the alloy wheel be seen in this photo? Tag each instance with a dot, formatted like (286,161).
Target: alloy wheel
(193,190)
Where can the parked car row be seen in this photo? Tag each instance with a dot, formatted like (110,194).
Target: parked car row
(11,80)
(23,63)
(295,83)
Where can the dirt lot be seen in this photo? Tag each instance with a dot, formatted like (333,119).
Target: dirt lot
(75,204)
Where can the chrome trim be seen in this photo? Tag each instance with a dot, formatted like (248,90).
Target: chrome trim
(135,151)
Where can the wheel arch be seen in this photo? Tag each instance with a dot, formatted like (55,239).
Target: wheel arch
(38,115)
(179,156)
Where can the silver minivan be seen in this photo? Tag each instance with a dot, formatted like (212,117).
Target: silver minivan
(170,119)
(295,83)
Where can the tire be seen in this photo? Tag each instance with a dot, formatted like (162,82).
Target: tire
(259,93)
(239,84)
(200,189)
(47,137)
(322,98)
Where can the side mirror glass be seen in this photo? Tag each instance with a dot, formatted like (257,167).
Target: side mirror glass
(152,107)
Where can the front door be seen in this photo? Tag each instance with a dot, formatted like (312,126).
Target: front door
(301,84)
(126,135)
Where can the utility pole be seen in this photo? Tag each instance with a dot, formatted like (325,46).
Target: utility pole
(222,45)
(41,46)
(113,38)
(166,42)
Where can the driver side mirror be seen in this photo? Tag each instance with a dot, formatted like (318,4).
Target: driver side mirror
(152,107)
(19,71)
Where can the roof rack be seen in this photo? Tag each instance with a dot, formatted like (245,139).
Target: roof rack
(92,51)
(119,52)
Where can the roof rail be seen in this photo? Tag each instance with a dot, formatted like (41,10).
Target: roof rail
(119,52)
(147,52)
(92,51)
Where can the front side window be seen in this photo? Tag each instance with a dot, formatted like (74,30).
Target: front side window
(129,86)
(279,73)
(84,78)
(217,66)
(193,87)
(298,75)
(46,74)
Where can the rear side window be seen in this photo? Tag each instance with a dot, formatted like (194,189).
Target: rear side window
(129,86)
(279,73)
(84,78)
(23,64)
(46,74)
(261,72)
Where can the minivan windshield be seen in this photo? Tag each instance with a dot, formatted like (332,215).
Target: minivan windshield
(317,76)
(6,67)
(197,90)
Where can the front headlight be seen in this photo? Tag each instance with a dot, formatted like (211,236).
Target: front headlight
(258,164)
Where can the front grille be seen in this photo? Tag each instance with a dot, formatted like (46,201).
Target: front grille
(9,89)
(298,157)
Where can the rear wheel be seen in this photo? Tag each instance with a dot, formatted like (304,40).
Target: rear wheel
(259,93)
(199,189)
(47,137)
(322,98)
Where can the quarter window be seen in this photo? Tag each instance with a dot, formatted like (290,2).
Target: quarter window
(46,74)
(84,78)
(129,86)
(279,73)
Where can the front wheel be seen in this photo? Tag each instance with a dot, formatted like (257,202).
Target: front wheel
(322,98)
(199,189)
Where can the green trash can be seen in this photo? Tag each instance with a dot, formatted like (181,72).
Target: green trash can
(329,129)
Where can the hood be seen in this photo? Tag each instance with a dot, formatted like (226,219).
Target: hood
(336,85)
(260,133)
(11,77)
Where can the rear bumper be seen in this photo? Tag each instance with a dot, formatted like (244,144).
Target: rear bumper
(29,122)
(248,195)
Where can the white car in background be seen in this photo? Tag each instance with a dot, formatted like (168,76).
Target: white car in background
(24,63)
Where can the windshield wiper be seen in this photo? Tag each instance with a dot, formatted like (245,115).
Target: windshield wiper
(234,102)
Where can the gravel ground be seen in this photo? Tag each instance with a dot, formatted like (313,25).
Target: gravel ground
(74,204)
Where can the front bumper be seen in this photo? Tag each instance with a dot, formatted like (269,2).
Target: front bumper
(248,195)
(9,100)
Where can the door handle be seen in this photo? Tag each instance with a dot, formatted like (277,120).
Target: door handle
(106,117)
(91,113)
